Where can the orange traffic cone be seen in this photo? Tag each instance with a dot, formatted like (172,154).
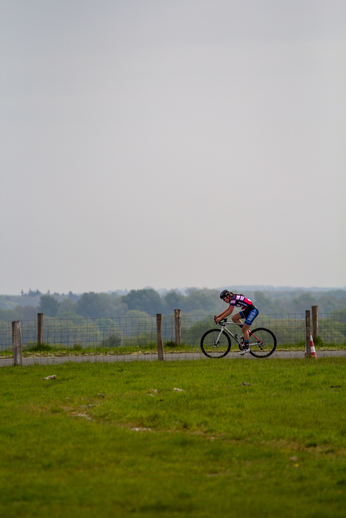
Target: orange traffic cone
(312,348)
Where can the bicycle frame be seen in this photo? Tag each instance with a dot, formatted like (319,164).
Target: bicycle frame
(235,338)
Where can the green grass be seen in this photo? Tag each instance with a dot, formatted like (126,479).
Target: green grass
(46,349)
(242,438)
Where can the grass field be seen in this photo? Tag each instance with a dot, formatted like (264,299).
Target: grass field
(240,438)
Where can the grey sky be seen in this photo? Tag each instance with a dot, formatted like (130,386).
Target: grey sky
(172,143)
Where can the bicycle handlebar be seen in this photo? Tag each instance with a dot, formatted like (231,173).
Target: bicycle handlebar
(223,321)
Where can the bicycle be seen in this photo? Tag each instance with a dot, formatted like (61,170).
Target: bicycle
(216,343)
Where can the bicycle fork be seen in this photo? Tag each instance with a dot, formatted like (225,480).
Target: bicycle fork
(217,341)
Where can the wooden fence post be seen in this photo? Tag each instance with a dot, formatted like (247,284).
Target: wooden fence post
(307,334)
(159,337)
(40,328)
(314,313)
(17,343)
(177,326)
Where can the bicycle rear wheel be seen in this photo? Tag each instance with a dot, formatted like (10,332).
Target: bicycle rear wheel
(262,342)
(215,344)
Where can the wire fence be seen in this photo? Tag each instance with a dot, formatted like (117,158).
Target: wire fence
(123,332)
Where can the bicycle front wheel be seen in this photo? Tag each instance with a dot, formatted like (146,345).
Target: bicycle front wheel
(262,342)
(215,343)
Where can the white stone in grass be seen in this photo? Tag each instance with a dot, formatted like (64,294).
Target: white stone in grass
(50,377)
(178,390)
(84,416)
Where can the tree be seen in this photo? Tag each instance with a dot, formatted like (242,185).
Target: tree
(8,315)
(203,300)
(67,306)
(339,315)
(48,305)
(94,305)
(266,305)
(326,304)
(33,293)
(141,316)
(303,302)
(174,300)
(29,312)
(74,297)
(117,308)
(144,300)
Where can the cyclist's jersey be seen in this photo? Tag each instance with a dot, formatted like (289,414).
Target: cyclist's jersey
(239,301)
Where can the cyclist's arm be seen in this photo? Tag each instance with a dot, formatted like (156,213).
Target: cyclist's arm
(224,314)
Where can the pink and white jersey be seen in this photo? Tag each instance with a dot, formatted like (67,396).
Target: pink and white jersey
(239,301)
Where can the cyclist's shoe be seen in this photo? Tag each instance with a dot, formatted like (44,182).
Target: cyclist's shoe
(245,349)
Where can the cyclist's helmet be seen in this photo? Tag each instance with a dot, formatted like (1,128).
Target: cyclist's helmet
(224,293)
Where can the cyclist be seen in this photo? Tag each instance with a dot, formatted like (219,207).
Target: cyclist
(248,311)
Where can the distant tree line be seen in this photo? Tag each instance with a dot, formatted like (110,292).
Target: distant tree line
(105,305)
(194,301)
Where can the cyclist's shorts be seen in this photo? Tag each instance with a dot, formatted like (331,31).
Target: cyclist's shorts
(250,317)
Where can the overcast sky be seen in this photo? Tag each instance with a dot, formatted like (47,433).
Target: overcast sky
(172,143)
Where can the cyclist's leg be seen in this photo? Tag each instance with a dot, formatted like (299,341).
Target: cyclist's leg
(248,323)
(237,318)
(245,330)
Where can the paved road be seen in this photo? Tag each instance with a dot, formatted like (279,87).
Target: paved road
(151,357)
